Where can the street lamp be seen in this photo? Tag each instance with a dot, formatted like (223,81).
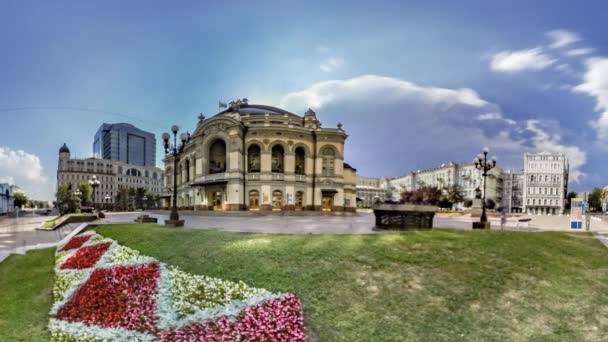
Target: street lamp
(481,163)
(144,199)
(107,199)
(94,182)
(175,151)
(77,193)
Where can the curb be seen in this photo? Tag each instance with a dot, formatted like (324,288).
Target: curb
(23,250)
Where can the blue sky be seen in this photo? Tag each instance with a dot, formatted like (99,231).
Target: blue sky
(415,84)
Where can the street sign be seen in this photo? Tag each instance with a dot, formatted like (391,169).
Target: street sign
(576,213)
(585,206)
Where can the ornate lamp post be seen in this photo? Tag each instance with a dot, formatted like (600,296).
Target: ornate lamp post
(175,151)
(107,199)
(94,182)
(77,194)
(482,163)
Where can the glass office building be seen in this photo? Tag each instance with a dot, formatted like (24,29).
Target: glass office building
(126,143)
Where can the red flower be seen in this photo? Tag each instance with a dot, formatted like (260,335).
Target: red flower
(86,257)
(76,242)
(121,296)
(275,320)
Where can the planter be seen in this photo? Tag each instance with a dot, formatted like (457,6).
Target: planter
(404,216)
(146,219)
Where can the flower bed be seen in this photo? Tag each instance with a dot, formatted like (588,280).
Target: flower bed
(107,292)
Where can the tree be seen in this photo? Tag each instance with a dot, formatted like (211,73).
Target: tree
(429,195)
(569,198)
(453,194)
(490,204)
(595,199)
(139,197)
(132,193)
(20,199)
(67,202)
(121,201)
(467,203)
(86,193)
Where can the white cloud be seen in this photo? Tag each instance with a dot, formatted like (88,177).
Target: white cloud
(322,93)
(595,84)
(322,49)
(331,64)
(520,60)
(25,170)
(424,126)
(489,116)
(561,38)
(494,116)
(579,52)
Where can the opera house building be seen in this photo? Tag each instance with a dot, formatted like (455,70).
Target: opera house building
(256,157)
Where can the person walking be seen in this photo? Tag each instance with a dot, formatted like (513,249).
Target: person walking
(503,219)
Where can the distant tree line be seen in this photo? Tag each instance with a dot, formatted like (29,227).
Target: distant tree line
(126,199)
(21,201)
(447,197)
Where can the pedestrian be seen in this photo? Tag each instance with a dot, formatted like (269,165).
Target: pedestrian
(503,219)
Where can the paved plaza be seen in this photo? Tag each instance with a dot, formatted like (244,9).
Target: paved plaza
(17,235)
(362,223)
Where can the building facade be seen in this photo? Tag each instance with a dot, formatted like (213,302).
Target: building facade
(465,175)
(545,183)
(513,191)
(112,175)
(7,199)
(125,142)
(371,190)
(256,157)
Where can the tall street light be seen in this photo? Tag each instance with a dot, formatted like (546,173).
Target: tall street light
(482,163)
(107,199)
(77,194)
(175,151)
(94,182)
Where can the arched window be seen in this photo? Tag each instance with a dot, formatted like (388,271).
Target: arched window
(254,199)
(154,175)
(187,170)
(217,157)
(120,170)
(300,161)
(278,158)
(147,174)
(328,156)
(253,158)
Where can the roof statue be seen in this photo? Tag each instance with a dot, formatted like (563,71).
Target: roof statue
(310,112)
(236,104)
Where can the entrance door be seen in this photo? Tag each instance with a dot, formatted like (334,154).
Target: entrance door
(299,200)
(277,200)
(217,200)
(254,200)
(327,202)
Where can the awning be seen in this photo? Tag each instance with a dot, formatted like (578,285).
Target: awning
(329,191)
(210,182)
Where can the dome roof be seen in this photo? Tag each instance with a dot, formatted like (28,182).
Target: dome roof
(246,108)
(64,149)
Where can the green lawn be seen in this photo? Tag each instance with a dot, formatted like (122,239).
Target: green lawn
(430,286)
(25,296)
